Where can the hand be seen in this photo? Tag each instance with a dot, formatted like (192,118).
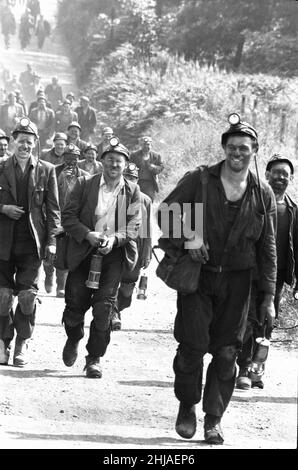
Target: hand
(199,254)
(108,246)
(50,253)
(266,316)
(94,238)
(12,211)
(145,263)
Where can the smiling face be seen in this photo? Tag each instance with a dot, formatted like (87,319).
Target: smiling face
(113,165)
(90,156)
(74,133)
(24,145)
(59,145)
(279,177)
(238,150)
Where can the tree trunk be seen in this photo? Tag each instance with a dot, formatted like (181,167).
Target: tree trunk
(238,55)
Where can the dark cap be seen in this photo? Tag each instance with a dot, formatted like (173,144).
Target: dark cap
(238,127)
(115,146)
(60,136)
(131,170)
(71,149)
(276,158)
(74,124)
(4,136)
(90,147)
(25,126)
(70,93)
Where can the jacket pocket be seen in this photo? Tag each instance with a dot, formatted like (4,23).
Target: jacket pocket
(255,226)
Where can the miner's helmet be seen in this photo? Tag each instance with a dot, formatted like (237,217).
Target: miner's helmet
(4,136)
(116,146)
(71,149)
(74,124)
(277,158)
(90,146)
(131,170)
(238,127)
(25,126)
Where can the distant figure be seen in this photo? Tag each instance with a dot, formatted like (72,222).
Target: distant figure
(43,29)
(13,84)
(86,118)
(70,97)
(150,165)
(34,103)
(20,100)
(73,137)
(89,163)
(27,80)
(4,141)
(107,134)
(64,117)
(26,24)
(8,25)
(44,119)
(10,113)
(34,8)
(54,93)
(55,154)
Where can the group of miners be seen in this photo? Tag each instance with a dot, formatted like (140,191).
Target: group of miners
(31,21)
(85,210)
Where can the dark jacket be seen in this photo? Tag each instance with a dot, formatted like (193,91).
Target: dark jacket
(292,258)
(250,243)
(154,164)
(78,218)
(50,121)
(51,156)
(44,210)
(87,121)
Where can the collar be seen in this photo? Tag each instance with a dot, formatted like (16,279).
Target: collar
(215,170)
(118,187)
(30,161)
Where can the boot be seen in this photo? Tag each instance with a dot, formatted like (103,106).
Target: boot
(116,321)
(70,352)
(212,431)
(186,423)
(4,352)
(20,352)
(92,368)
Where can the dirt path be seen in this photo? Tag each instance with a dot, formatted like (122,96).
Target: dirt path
(50,406)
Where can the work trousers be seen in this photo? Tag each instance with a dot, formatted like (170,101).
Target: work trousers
(213,320)
(20,273)
(79,298)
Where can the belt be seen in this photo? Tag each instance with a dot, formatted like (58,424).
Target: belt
(214,269)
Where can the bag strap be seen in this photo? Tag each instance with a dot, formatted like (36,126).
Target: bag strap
(204,180)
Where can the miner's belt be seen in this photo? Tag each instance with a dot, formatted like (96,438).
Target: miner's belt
(215,269)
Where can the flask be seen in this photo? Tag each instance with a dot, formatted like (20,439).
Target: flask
(259,359)
(141,295)
(95,270)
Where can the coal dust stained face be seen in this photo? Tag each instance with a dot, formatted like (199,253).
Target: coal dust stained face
(238,150)
(24,144)
(279,177)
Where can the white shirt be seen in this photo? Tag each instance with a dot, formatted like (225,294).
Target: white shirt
(106,207)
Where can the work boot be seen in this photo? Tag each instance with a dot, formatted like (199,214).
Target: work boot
(257,384)
(92,368)
(212,431)
(243,380)
(48,283)
(4,352)
(186,423)
(70,352)
(20,352)
(116,322)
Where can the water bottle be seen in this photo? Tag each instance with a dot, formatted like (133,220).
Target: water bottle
(259,359)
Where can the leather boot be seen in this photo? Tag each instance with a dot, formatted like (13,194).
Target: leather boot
(212,430)
(92,368)
(70,352)
(186,423)
(20,352)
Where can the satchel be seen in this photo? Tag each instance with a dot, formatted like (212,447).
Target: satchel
(179,272)
(177,269)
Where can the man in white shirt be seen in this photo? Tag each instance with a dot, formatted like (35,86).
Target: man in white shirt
(102,217)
